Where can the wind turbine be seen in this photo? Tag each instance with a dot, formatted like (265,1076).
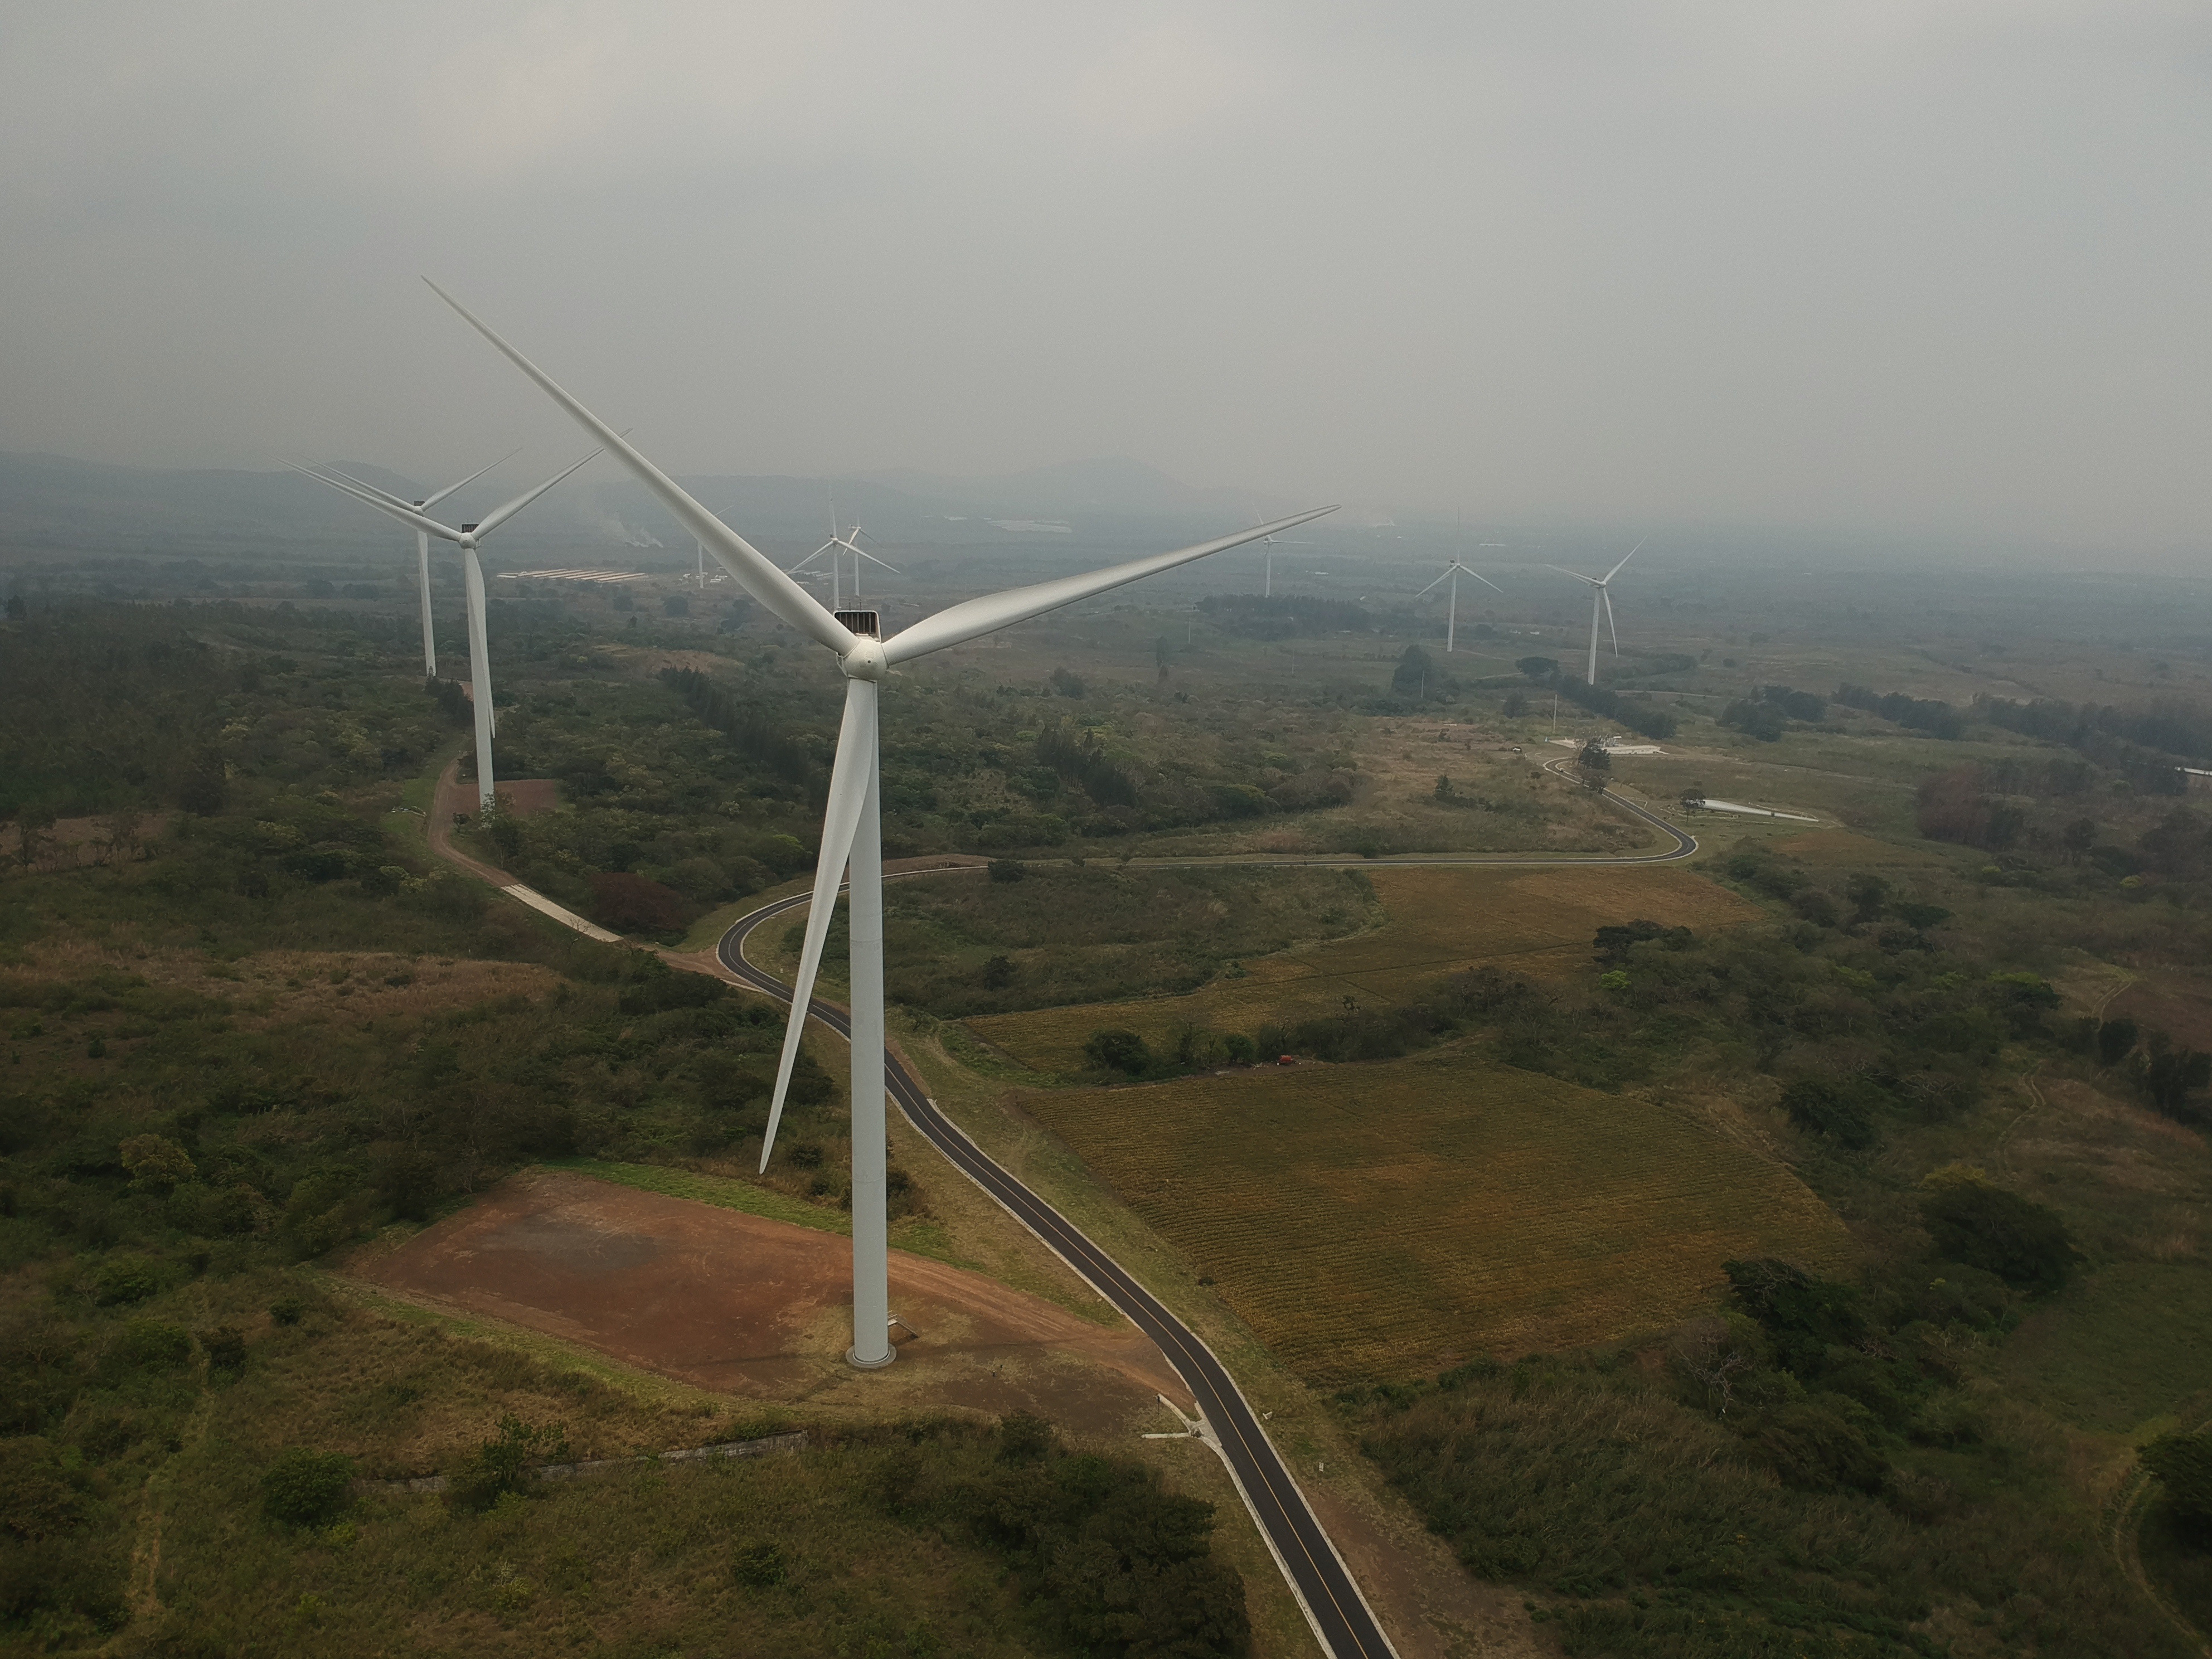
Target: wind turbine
(466,537)
(1600,595)
(838,545)
(423,552)
(851,827)
(1453,571)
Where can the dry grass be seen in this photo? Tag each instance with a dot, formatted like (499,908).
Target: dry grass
(1839,849)
(1384,1221)
(1537,922)
(273,987)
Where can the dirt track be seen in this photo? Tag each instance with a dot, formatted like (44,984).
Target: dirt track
(739,1305)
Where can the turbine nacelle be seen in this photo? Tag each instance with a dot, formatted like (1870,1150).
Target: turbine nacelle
(866,661)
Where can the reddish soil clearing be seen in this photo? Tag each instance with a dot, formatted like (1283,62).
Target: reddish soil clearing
(527,797)
(739,1305)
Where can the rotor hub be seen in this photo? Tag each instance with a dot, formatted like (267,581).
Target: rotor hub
(865,661)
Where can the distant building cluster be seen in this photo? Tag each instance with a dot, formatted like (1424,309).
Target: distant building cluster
(573,576)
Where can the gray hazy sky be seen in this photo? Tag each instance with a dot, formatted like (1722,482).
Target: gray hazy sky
(1936,267)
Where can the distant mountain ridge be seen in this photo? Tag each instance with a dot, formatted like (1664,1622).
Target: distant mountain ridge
(58,504)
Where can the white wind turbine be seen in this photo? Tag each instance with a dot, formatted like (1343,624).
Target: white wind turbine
(1453,571)
(852,825)
(1600,595)
(836,547)
(466,537)
(422,553)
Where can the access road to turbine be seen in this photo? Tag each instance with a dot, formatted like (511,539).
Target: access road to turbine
(1340,1615)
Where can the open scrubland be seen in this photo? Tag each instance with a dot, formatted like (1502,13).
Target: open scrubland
(1788,1252)
(1385,1222)
(1434,922)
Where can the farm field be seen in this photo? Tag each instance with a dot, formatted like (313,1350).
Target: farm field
(1386,1221)
(1537,922)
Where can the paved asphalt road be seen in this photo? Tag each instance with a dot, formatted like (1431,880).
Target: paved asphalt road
(1317,1575)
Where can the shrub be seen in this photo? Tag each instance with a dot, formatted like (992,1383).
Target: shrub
(506,1462)
(758,1564)
(225,1349)
(305,1488)
(2183,1464)
(151,1345)
(1118,1051)
(1008,870)
(1815,1447)
(125,1278)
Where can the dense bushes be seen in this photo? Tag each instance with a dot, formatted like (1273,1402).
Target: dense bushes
(1938,719)
(307,1488)
(1110,1565)
(2023,1243)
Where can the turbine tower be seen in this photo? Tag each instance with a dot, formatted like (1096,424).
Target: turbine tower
(466,537)
(851,827)
(423,554)
(1600,595)
(1453,571)
(836,547)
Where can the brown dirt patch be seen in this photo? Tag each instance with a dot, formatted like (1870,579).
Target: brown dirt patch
(739,1304)
(527,796)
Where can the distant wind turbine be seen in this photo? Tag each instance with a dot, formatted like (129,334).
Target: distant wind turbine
(423,552)
(466,537)
(852,826)
(840,543)
(1600,595)
(1453,571)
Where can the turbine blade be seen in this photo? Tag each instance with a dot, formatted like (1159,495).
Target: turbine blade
(432,500)
(1576,574)
(1610,629)
(754,570)
(363,484)
(406,515)
(864,553)
(1483,580)
(810,558)
(848,794)
(500,515)
(1624,558)
(1436,584)
(974,617)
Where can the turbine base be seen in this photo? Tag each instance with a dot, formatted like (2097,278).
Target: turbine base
(853,1358)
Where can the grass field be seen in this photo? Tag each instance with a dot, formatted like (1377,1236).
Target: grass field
(1384,1221)
(1537,922)
(2120,1349)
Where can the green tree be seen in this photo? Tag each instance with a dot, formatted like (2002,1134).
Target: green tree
(1868,894)
(1118,1051)
(156,1163)
(2022,1242)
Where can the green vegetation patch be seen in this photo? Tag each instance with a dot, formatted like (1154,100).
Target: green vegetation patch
(1649,1522)
(2118,1348)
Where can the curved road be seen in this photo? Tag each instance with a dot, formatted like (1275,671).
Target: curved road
(1317,1576)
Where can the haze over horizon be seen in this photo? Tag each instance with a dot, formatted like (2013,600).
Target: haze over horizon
(1876,269)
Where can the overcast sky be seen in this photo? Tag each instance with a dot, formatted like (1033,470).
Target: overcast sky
(1933,268)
